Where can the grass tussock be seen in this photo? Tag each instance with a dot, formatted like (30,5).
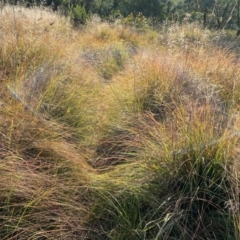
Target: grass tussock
(113,132)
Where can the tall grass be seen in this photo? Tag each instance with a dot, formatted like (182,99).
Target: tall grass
(113,132)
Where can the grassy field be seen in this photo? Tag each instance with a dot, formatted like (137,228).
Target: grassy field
(113,132)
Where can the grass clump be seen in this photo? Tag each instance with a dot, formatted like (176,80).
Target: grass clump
(113,132)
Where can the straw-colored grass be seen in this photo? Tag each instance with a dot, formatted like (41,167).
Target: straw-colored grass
(113,132)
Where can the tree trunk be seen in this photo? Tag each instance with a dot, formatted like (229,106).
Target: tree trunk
(205,19)
(238,18)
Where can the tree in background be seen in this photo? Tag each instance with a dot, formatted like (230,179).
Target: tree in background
(149,8)
(103,7)
(211,13)
(223,12)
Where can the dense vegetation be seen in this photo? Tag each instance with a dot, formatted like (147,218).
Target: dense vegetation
(216,14)
(117,131)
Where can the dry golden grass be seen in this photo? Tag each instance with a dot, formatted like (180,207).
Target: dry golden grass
(111,132)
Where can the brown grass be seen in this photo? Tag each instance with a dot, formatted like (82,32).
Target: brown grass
(112,132)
